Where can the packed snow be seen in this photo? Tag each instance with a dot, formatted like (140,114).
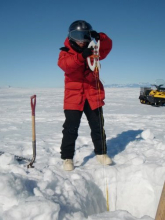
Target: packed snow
(129,189)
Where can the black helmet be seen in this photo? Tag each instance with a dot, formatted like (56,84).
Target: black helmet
(80,31)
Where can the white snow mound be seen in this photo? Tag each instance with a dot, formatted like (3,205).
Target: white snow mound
(147,134)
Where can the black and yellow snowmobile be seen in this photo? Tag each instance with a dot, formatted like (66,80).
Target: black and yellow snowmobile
(151,96)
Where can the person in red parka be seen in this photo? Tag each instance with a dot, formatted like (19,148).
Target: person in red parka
(84,92)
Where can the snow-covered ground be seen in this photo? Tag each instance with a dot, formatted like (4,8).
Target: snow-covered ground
(136,142)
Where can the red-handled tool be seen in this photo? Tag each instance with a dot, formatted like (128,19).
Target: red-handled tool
(33,105)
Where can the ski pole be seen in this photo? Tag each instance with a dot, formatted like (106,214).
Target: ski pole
(33,105)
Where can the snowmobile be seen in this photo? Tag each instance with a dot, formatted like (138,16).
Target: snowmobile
(155,97)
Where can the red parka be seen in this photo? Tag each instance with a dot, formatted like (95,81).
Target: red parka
(80,82)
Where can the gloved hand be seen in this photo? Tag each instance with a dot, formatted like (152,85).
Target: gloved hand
(95,35)
(87,52)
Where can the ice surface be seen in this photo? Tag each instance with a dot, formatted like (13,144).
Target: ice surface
(136,142)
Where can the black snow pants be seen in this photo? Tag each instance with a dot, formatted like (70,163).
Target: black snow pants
(70,131)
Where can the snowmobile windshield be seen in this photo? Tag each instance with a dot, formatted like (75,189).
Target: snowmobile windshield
(81,36)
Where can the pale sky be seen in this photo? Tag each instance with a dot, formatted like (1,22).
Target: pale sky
(32,31)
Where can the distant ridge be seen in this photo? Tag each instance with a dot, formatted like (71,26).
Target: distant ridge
(129,85)
(4,87)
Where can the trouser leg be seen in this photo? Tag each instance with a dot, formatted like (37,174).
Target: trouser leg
(96,123)
(70,133)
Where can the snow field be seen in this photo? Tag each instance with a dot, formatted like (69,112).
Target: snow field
(135,140)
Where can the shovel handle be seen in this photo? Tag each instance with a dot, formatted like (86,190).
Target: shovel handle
(33,104)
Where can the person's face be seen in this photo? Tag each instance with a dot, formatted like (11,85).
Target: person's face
(81,44)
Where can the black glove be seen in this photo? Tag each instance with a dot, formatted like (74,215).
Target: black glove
(95,35)
(87,52)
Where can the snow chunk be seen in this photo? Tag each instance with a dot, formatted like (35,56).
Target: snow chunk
(7,159)
(147,134)
(75,177)
(16,188)
(34,208)
(137,161)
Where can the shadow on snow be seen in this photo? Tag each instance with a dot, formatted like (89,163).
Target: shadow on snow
(117,144)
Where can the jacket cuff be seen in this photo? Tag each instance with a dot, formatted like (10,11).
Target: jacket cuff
(102,36)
